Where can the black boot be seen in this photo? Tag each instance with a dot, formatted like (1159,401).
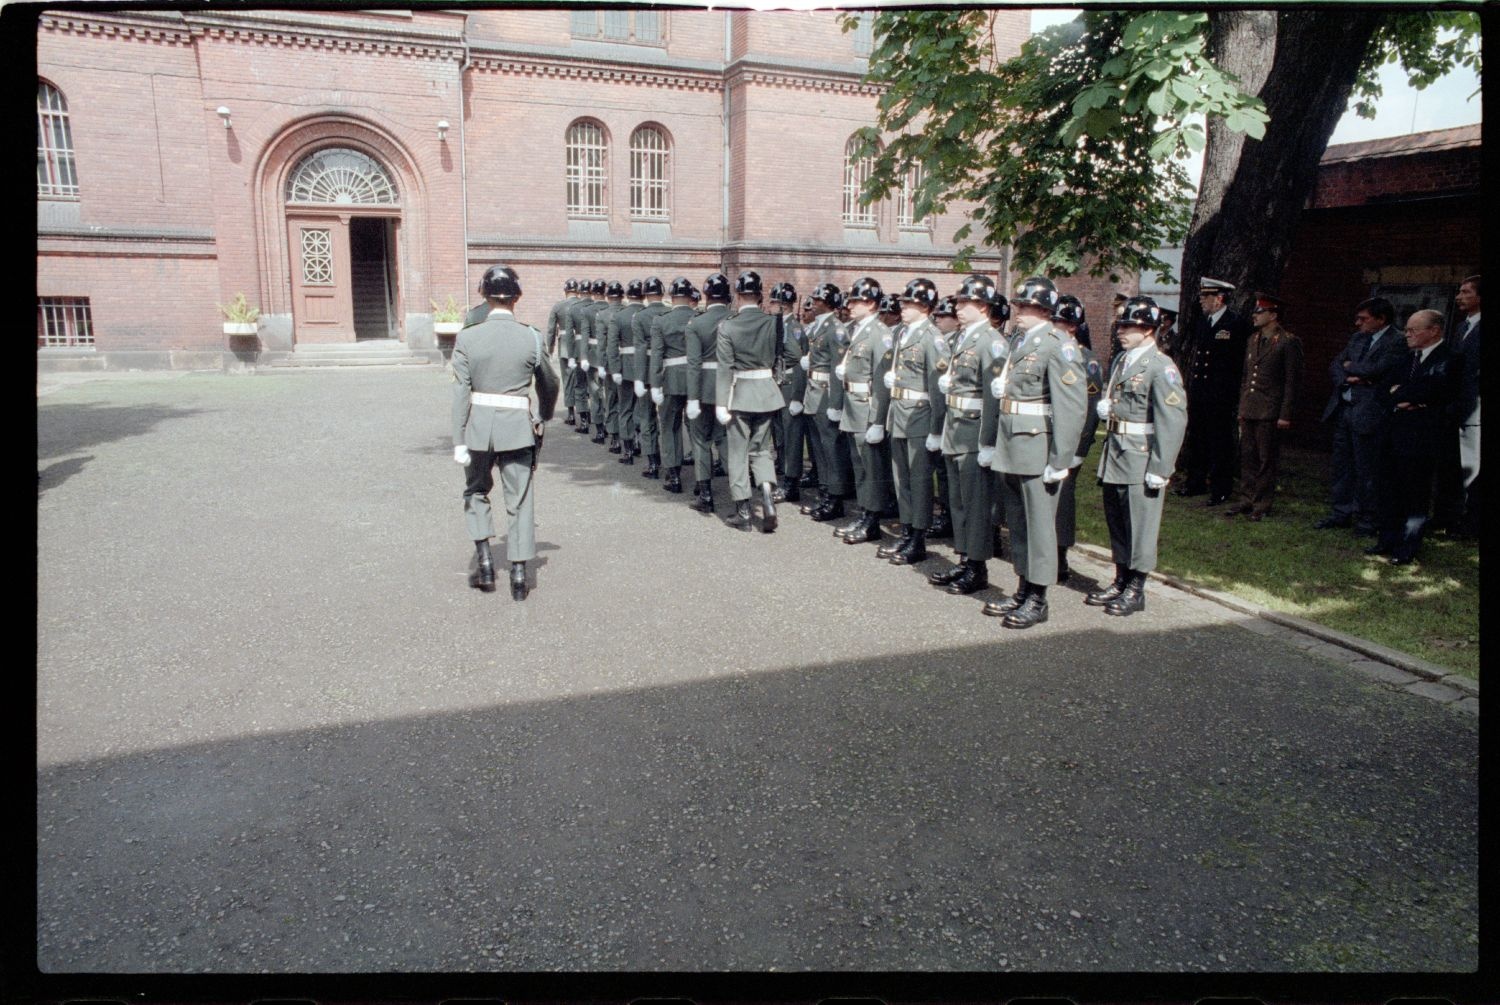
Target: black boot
(887,550)
(849,528)
(1100,598)
(1002,608)
(674,480)
(975,577)
(831,509)
(1033,610)
(518,580)
(600,435)
(583,424)
(1131,599)
(719,469)
(740,518)
(942,526)
(483,576)
(952,575)
(809,480)
(869,531)
(1063,572)
(915,550)
(653,466)
(768,503)
(703,497)
(614,445)
(627,453)
(792,492)
(572,417)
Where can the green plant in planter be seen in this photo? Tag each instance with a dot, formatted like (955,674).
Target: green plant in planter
(239,311)
(448,313)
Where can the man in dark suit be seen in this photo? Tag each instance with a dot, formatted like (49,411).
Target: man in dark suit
(1456,508)
(1423,403)
(1358,410)
(1212,360)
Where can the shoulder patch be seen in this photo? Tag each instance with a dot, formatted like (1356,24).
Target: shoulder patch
(1068,353)
(1173,399)
(887,341)
(1172,375)
(994,347)
(1093,369)
(1069,377)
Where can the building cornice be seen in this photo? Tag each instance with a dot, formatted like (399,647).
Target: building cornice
(143,27)
(768,73)
(98,233)
(309,31)
(593,68)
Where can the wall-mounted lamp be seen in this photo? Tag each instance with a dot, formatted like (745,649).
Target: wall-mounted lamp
(223,111)
(442,130)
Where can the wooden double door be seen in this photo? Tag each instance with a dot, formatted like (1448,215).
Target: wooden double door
(345,284)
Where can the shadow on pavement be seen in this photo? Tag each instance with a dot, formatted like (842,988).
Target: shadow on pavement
(71,426)
(55,474)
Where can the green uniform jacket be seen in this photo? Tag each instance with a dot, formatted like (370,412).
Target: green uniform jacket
(976,356)
(572,327)
(1272,374)
(792,379)
(1046,367)
(555,323)
(618,336)
(669,341)
(499,356)
(745,341)
(638,366)
(1150,390)
(701,344)
(820,346)
(865,360)
(594,322)
(917,355)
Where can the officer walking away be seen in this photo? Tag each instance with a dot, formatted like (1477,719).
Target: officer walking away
(1145,408)
(747,401)
(619,356)
(670,384)
(641,376)
(702,385)
(495,364)
(1268,394)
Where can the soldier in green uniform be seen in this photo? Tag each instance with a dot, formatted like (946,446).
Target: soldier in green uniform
(638,369)
(747,399)
(1070,318)
(702,384)
(1145,408)
(669,377)
(609,390)
(582,317)
(945,319)
(916,418)
(1033,420)
(791,380)
(558,335)
(862,412)
(494,366)
(619,357)
(823,333)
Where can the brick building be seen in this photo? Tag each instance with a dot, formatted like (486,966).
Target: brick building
(346,169)
(1397,218)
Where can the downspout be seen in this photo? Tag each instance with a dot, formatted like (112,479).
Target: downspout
(463,148)
(724,193)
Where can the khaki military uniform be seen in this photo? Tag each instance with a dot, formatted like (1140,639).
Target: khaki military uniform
(917,410)
(669,372)
(745,351)
(701,340)
(865,403)
(978,352)
(1147,424)
(1272,375)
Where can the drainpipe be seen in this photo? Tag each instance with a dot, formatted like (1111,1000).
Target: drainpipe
(463,148)
(724,193)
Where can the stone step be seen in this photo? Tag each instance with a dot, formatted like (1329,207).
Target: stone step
(290,363)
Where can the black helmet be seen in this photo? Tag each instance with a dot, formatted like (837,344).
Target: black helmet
(598,286)
(716,286)
(652,287)
(693,293)
(571,286)
(681,287)
(864,289)
(633,289)
(922,292)
(747,283)
(614,290)
(999,308)
(976,287)
(1037,291)
(890,304)
(828,293)
(784,293)
(807,302)
(946,308)
(1140,311)
(1069,308)
(500,281)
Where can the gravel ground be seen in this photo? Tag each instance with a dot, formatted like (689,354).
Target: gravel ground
(277,732)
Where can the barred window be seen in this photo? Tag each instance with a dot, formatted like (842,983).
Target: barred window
(340,176)
(640,26)
(906,202)
(864,35)
(857,171)
(56,173)
(588,157)
(650,175)
(64,321)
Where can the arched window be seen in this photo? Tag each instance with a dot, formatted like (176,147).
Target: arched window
(340,176)
(650,175)
(857,171)
(588,155)
(56,174)
(906,202)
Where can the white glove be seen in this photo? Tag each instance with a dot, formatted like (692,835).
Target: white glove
(722,414)
(835,414)
(658,396)
(795,407)
(640,389)
(1077,461)
(461,454)
(1102,408)
(933,442)
(986,455)
(1155,481)
(694,409)
(945,382)
(838,371)
(874,434)
(619,377)
(997,387)
(572,363)
(889,380)
(805,363)
(1051,474)
(583,365)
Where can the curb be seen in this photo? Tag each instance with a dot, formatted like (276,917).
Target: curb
(1406,672)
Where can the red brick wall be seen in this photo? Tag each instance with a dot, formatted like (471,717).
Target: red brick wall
(1353,183)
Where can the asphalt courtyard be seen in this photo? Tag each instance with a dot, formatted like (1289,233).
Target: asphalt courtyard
(277,732)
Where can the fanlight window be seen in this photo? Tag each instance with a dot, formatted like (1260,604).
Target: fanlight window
(341,177)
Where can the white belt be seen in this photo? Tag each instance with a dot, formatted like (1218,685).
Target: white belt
(751,374)
(674,361)
(857,387)
(1131,428)
(627,350)
(499,400)
(1025,407)
(907,394)
(593,341)
(954,401)
(818,377)
(710,365)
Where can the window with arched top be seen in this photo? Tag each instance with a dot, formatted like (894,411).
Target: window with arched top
(857,171)
(56,172)
(650,175)
(906,202)
(340,176)
(587,180)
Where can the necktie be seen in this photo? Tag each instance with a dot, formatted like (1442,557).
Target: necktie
(1416,361)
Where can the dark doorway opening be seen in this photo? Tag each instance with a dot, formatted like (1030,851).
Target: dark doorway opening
(372,277)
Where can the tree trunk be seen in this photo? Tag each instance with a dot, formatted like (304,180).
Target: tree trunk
(1253,191)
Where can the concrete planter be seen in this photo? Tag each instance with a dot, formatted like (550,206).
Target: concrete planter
(244,346)
(447,327)
(241,327)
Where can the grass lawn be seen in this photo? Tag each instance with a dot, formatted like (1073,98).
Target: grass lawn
(1429,609)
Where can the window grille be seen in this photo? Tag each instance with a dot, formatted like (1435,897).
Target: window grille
(864,35)
(317,258)
(857,171)
(906,202)
(342,177)
(650,177)
(587,160)
(56,172)
(639,26)
(64,321)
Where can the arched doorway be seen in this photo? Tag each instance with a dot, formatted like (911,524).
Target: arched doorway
(343,217)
